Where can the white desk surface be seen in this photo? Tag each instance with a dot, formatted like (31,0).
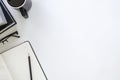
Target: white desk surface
(74,39)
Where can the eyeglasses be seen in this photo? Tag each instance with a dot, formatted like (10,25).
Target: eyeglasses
(5,39)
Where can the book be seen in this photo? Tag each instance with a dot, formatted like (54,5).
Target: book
(9,27)
(16,64)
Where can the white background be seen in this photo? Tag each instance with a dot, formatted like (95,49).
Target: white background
(74,39)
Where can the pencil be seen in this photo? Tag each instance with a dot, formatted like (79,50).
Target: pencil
(30,67)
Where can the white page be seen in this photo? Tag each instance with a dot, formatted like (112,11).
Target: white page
(17,61)
(4,73)
(2,17)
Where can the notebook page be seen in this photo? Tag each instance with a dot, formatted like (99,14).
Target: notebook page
(17,61)
(4,73)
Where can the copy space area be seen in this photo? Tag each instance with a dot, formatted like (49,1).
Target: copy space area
(74,39)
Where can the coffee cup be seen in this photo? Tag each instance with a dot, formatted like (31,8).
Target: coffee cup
(22,5)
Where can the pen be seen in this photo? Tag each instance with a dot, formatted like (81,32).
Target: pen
(30,68)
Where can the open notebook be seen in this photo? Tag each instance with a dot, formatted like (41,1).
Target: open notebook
(14,64)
